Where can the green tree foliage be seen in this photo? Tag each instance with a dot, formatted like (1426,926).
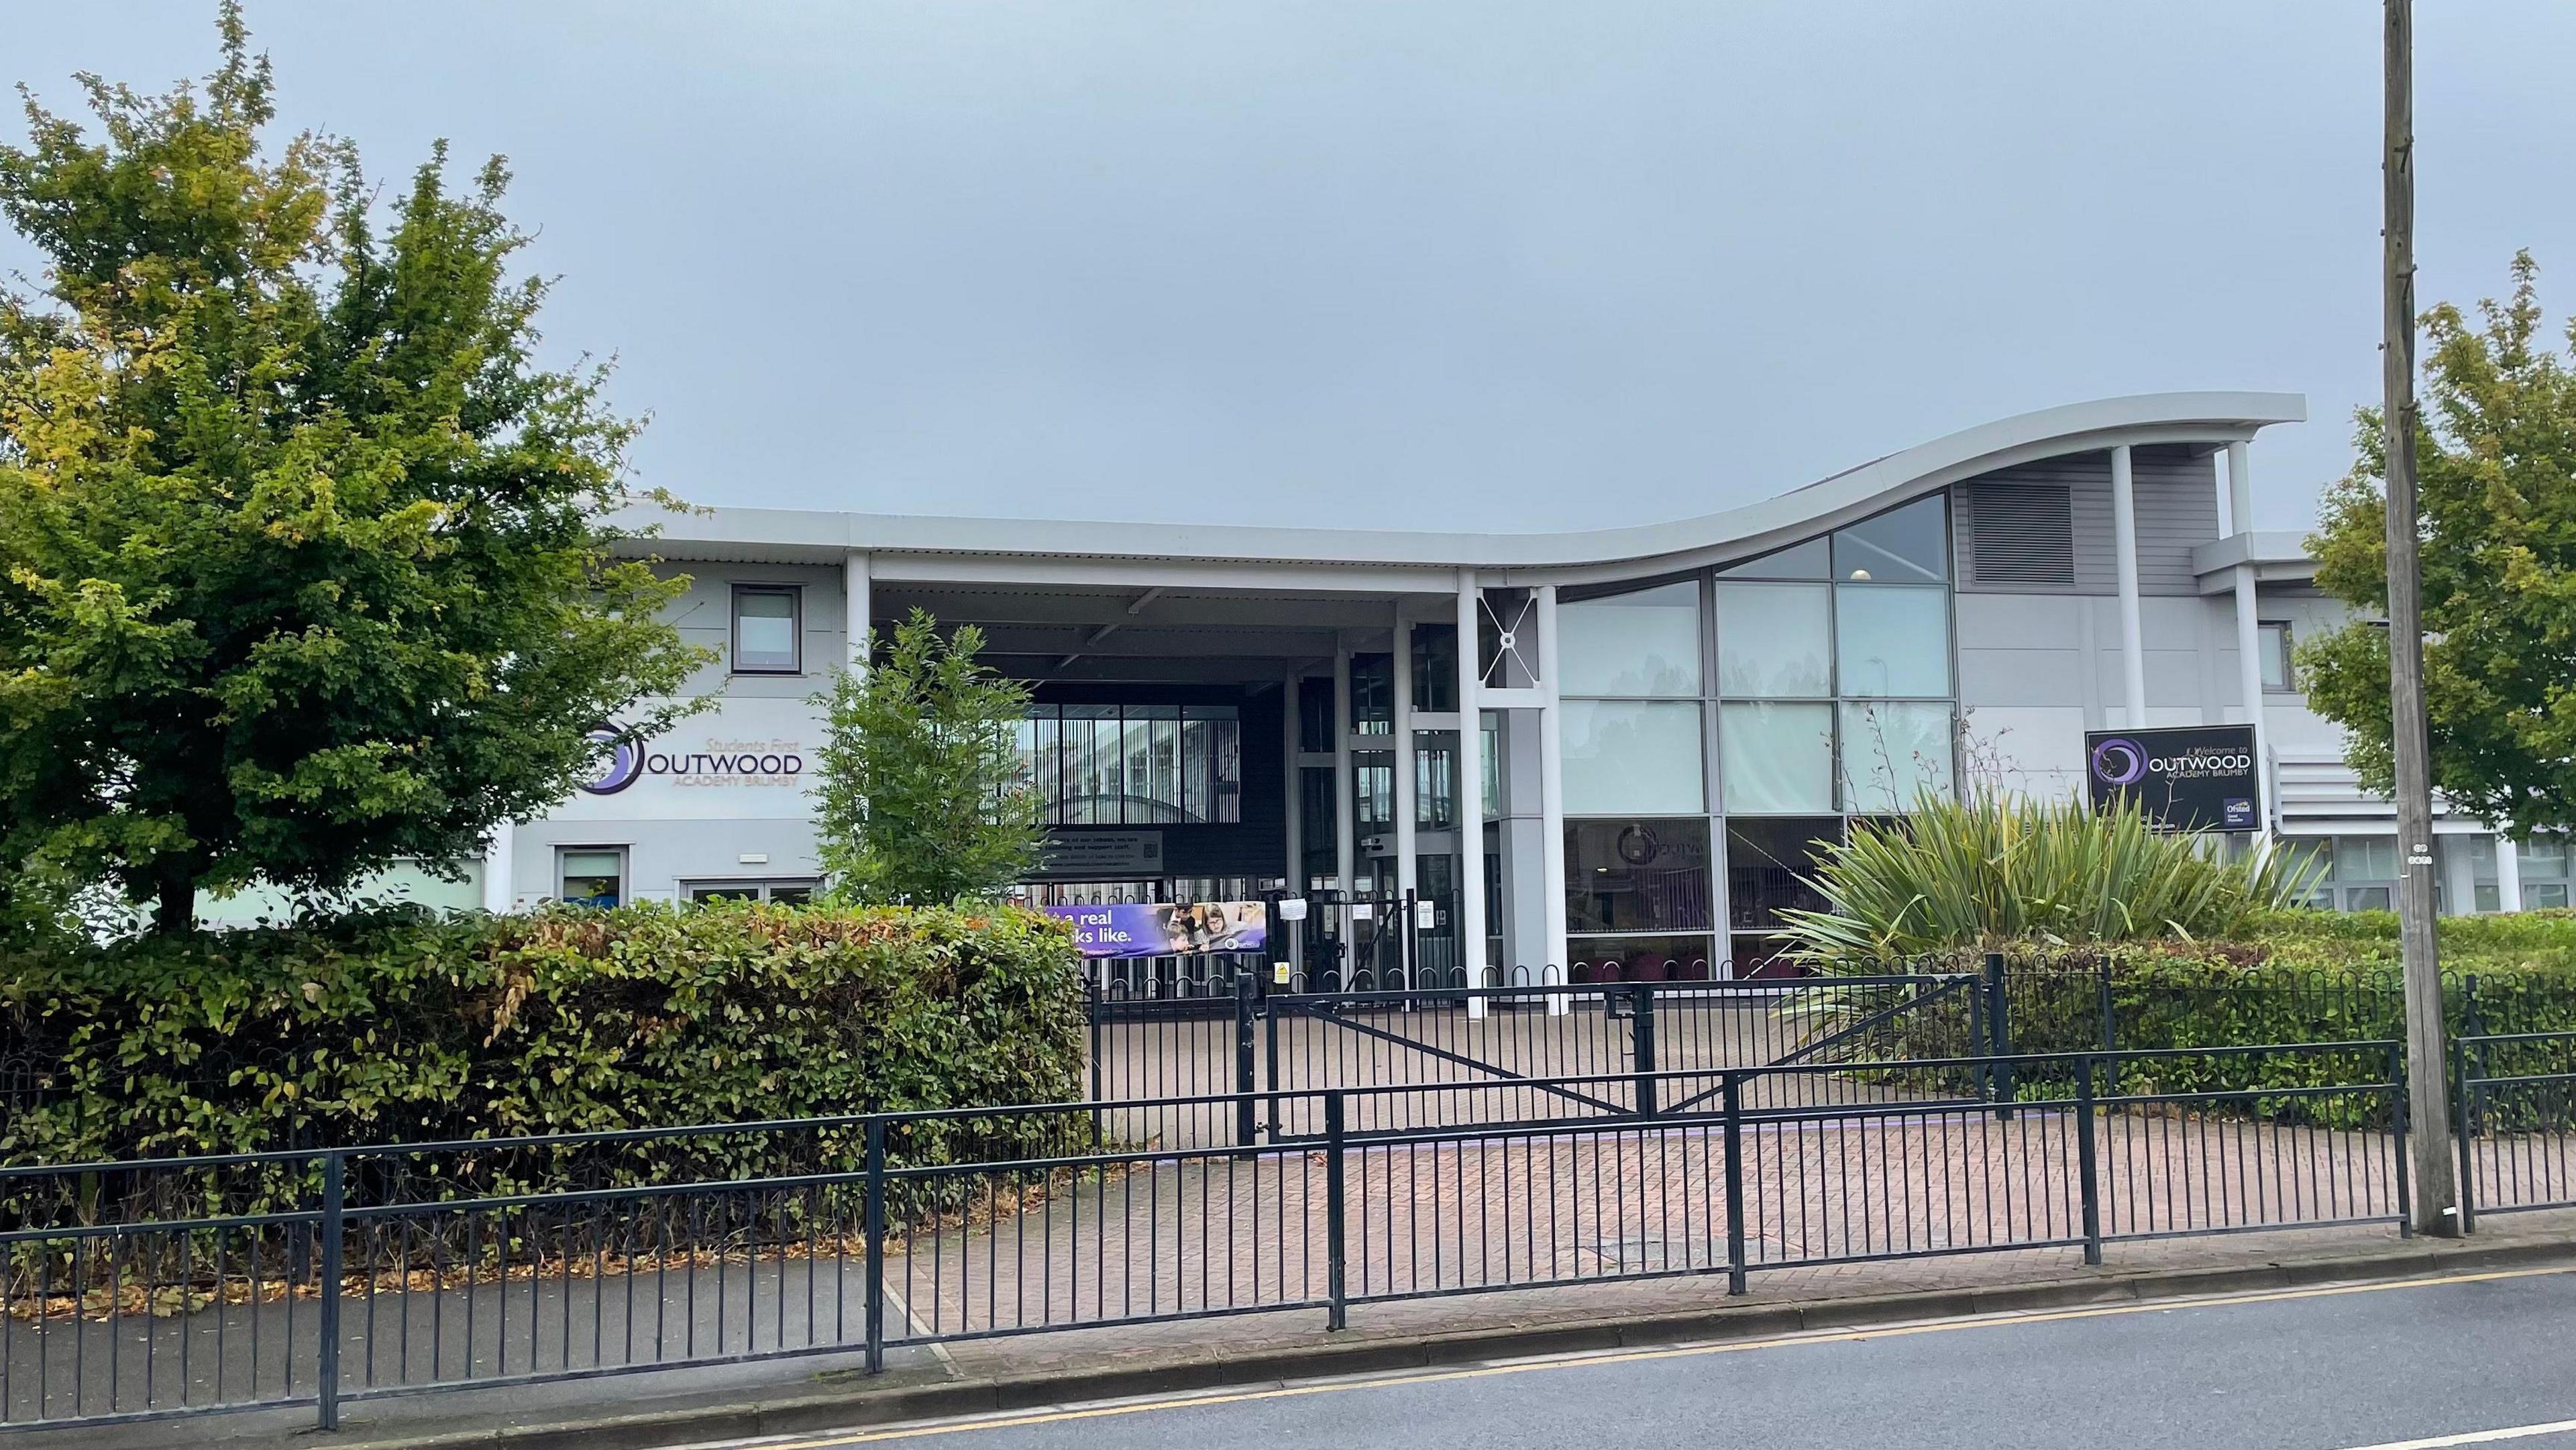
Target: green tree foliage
(1992,868)
(2497,493)
(921,797)
(302,560)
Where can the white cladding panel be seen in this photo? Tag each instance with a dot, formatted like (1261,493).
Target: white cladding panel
(741,760)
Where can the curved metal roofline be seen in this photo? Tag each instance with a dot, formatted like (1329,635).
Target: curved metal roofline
(1576,557)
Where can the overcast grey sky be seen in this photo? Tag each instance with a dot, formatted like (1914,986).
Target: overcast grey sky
(1532,266)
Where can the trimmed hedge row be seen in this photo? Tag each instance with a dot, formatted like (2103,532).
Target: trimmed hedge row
(2297,977)
(395,1028)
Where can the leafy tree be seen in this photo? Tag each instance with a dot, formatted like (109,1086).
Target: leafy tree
(303,559)
(2497,493)
(921,796)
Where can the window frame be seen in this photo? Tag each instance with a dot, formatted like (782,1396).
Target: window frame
(2285,653)
(763,887)
(625,854)
(795,595)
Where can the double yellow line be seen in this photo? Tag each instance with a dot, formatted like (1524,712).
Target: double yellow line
(1688,1351)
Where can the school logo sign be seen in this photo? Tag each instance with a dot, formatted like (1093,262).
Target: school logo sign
(2194,778)
(713,763)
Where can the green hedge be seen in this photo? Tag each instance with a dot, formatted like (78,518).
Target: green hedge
(2294,977)
(404,1029)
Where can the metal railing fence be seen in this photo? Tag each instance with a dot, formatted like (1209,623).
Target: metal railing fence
(380,1271)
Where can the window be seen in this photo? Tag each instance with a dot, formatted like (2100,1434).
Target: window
(1631,876)
(2543,872)
(591,876)
(1315,714)
(1489,751)
(1910,545)
(797,891)
(1892,642)
(1318,824)
(1435,779)
(1641,643)
(1372,695)
(1775,758)
(1372,791)
(2365,873)
(1775,640)
(768,629)
(1137,765)
(1153,763)
(1810,560)
(1435,668)
(1095,780)
(1893,751)
(1638,959)
(1631,757)
(2277,676)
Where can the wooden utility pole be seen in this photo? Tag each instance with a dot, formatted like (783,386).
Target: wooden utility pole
(2436,1207)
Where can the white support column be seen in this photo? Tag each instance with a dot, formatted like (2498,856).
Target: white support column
(2459,875)
(1291,782)
(1471,795)
(500,860)
(1345,827)
(2240,491)
(858,623)
(2249,632)
(1405,807)
(2124,523)
(1551,807)
(2508,873)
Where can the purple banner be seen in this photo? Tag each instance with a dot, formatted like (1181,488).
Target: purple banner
(1166,929)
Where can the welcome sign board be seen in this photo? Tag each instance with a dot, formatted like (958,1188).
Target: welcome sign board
(2192,778)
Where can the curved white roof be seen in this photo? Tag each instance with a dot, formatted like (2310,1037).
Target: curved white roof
(1631,551)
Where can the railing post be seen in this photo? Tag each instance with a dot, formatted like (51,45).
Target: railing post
(2398,1126)
(2087,1162)
(1092,1000)
(1244,1051)
(2110,1012)
(1641,1035)
(1731,1087)
(874,1226)
(2462,1123)
(1270,1064)
(1408,949)
(2473,1026)
(1981,1079)
(1337,1309)
(326,1356)
(1999,1032)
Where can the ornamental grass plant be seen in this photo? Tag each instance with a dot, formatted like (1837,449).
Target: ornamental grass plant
(1991,869)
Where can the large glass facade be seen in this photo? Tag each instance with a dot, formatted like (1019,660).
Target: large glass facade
(1644,643)
(1827,693)
(1110,765)
(1631,756)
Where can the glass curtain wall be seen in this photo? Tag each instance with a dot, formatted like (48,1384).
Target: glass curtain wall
(1109,765)
(1828,694)
(1639,886)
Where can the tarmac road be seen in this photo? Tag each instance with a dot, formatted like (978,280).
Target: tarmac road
(2460,1360)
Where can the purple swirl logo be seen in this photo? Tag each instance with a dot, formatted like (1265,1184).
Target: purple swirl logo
(2120,762)
(623,762)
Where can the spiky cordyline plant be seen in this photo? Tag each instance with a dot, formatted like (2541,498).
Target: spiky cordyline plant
(1989,868)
